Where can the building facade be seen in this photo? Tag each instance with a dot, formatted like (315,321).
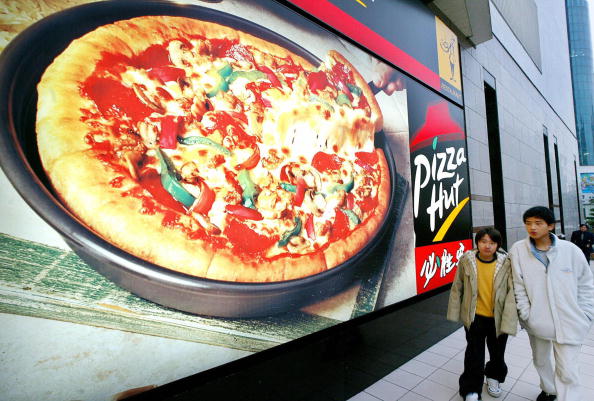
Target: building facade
(522,142)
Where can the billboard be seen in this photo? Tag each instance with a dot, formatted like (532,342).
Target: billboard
(286,184)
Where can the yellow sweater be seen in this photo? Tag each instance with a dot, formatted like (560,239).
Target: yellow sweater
(485,273)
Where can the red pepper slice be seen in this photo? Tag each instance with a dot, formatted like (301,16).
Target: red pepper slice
(283,173)
(317,81)
(350,200)
(164,94)
(266,102)
(230,176)
(300,194)
(324,162)
(251,161)
(171,127)
(271,76)
(309,227)
(166,73)
(206,199)
(242,212)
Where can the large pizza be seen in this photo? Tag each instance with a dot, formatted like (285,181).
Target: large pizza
(213,152)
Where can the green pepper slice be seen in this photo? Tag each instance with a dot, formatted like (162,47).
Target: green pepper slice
(288,187)
(288,234)
(315,98)
(355,90)
(351,215)
(249,189)
(170,182)
(343,99)
(346,187)
(222,85)
(249,75)
(200,140)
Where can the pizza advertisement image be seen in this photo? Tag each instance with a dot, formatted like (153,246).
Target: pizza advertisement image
(212,152)
(218,163)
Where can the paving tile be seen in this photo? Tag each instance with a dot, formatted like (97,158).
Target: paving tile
(404,379)
(454,366)
(445,378)
(434,391)
(519,361)
(514,397)
(444,350)
(410,396)
(530,376)
(508,384)
(514,371)
(519,349)
(386,391)
(526,390)
(418,368)
(363,396)
(454,343)
(460,356)
(431,358)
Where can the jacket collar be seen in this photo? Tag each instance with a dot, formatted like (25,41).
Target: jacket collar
(552,250)
(500,254)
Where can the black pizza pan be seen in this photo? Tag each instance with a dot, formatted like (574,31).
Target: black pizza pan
(21,65)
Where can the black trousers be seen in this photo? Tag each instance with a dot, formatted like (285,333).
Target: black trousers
(481,329)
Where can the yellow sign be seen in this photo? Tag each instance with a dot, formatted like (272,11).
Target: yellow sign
(448,55)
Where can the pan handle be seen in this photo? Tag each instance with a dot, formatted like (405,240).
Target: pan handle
(373,87)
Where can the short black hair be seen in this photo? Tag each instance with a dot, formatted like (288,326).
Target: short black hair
(540,212)
(491,232)
(584,225)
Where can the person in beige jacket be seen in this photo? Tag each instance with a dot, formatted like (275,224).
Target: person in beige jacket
(482,298)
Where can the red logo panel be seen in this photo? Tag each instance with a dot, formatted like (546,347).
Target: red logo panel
(436,264)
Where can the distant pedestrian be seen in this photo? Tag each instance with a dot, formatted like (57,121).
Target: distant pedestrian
(584,240)
(555,297)
(482,297)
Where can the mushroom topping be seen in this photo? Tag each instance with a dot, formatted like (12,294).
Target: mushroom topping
(148,133)
(296,244)
(179,54)
(205,223)
(151,101)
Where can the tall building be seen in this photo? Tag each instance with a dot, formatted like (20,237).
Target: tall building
(580,48)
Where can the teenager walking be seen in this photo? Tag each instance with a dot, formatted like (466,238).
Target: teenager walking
(555,298)
(482,298)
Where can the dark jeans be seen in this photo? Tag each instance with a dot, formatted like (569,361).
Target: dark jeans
(475,370)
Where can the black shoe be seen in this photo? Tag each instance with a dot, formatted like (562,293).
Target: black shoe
(546,397)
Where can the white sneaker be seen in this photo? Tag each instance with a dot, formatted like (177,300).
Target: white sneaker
(493,388)
(471,397)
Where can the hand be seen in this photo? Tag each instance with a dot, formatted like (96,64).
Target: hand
(387,78)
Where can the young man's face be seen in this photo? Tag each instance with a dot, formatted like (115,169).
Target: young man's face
(486,246)
(537,228)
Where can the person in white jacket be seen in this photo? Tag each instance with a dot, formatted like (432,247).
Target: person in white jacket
(554,292)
